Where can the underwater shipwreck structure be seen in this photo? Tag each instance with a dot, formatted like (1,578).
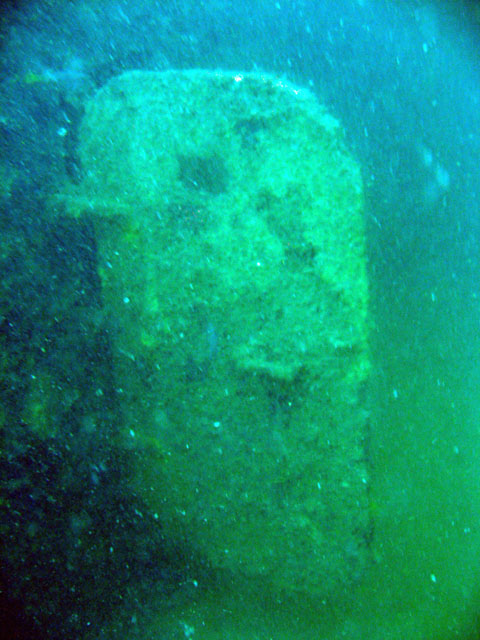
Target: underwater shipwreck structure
(228,218)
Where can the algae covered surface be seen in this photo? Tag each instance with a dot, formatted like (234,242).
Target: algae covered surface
(228,220)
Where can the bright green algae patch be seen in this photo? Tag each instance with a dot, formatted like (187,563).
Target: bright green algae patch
(228,217)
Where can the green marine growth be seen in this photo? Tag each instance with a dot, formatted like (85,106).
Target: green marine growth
(228,217)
